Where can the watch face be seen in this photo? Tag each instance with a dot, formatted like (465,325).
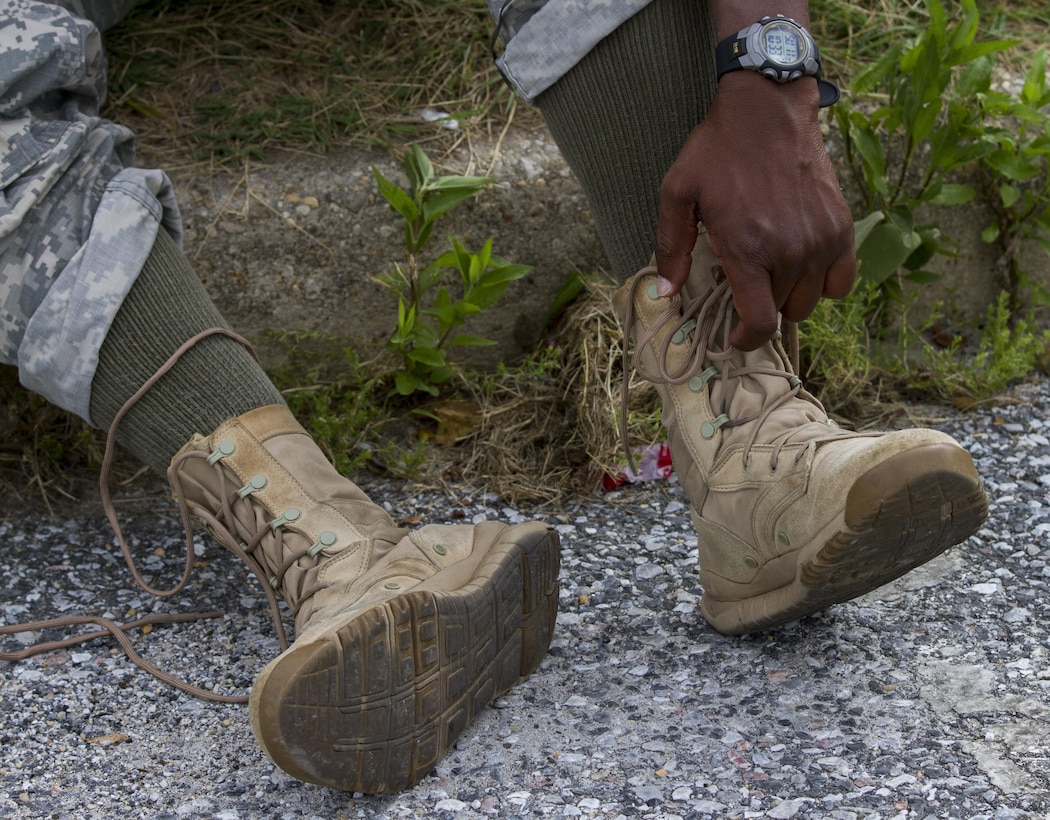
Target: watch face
(783,44)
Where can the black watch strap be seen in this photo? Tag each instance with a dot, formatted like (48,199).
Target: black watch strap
(727,59)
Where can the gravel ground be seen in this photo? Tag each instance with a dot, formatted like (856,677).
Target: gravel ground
(927,698)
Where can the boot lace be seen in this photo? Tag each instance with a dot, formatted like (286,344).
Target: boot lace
(245,551)
(711,362)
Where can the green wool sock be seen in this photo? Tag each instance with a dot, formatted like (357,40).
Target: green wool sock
(621,115)
(214,380)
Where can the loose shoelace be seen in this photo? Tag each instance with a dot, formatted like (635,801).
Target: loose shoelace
(118,631)
(705,322)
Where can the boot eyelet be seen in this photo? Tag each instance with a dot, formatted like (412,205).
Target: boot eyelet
(709,428)
(255,483)
(392,585)
(652,292)
(224,448)
(325,539)
(287,517)
(699,382)
(783,538)
(683,332)
(440,549)
(751,561)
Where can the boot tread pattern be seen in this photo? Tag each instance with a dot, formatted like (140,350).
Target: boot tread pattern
(906,529)
(379,702)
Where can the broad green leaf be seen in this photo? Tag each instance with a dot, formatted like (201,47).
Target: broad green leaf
(405,316)
(428,356)
(504,274)
(871,152)
(466,307)
(904,220)
(990,234)
(976,78)
(1009,194)
(884,251)
(461,255)
(966,54)
(927,249)
(922,277)
(485,255)
(571,288)
(430,276)
(419,169)
(484,296)
(878,74)
(399,200)
(450,183)
(1035,79)
(447,318)
(966,29)
(1011,166)
(925,119)
(436,203)
(1040,145)
(424,235)
(863,227)
(951,194)
(407,384)
(438,375)
(442,299)
(449,259)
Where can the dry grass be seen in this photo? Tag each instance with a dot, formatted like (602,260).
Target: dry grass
(555,432)
(43,450)
(218,79)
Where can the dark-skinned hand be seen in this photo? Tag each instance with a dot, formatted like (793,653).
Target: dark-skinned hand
(755,172)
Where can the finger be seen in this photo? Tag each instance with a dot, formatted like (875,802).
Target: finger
(808,289)
(676,233)
(842,274)
(753,300)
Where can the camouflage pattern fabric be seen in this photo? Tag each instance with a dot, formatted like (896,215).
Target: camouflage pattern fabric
(543,39)
(76,220)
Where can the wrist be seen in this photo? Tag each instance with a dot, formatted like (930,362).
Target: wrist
(749,90)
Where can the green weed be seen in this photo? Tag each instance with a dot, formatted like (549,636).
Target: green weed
(429,316)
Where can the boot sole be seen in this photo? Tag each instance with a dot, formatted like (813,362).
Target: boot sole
(373,705)
(898,516)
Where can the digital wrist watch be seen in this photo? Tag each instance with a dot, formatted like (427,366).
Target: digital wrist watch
(778,48)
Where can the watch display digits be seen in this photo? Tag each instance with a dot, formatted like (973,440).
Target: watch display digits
(782,44)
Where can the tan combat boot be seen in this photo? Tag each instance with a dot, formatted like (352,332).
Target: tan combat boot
(792,513)
(401,636)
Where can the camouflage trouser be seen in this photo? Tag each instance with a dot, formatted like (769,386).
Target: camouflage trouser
(545,38)
(76,220)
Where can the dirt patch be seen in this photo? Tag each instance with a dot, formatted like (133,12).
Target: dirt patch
(293,243)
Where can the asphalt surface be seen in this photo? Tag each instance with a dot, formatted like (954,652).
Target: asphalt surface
(928,698)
